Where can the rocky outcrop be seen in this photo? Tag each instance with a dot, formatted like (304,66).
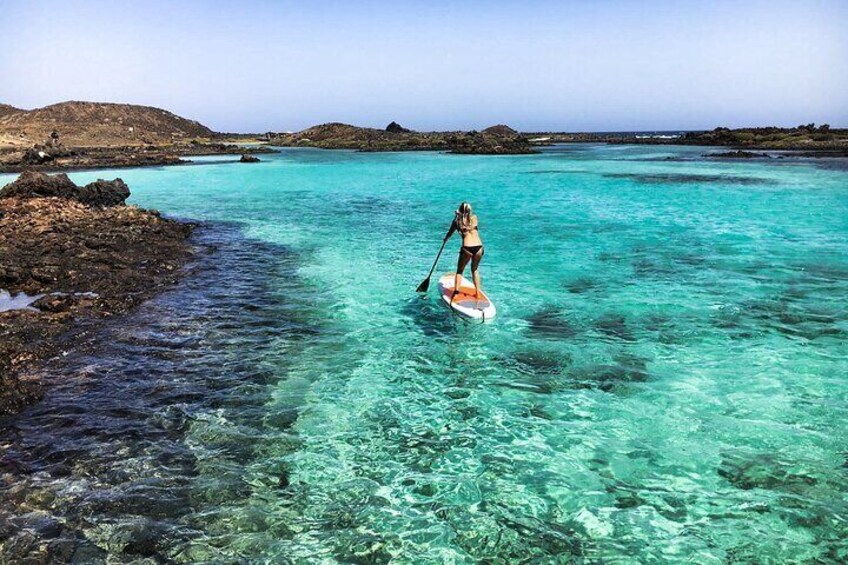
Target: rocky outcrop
(104,193)
(33,184)
(245,158)
(497,140)
(500,130)
(395,127)
(88,261)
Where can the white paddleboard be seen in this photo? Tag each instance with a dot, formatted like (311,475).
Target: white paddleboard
(465,303)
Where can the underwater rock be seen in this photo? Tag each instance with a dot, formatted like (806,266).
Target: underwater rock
(614,325)
(537,371)
(605,377)
(686,178)
(550,323)
(762,471)
(581,285)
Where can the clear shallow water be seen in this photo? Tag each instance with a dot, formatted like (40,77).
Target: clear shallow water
(665,382)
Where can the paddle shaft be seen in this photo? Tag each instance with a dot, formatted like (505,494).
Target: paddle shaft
(426,283)
(436,262)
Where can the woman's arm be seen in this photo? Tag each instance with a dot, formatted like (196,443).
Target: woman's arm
(451,230)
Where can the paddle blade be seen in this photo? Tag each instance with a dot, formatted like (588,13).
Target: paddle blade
(425,284)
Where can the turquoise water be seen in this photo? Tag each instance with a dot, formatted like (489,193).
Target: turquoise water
(666,380)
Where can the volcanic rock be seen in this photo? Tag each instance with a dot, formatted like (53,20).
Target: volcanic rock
(88,262)
(34,184)
(103,193)
(395,127)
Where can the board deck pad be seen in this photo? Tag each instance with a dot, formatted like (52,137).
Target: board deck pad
(465,303)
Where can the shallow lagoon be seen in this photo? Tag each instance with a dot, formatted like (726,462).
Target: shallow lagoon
(665,382)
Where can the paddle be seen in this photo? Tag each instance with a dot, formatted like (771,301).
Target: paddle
(425,284)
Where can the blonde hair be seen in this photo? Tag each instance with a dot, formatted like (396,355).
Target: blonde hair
(463,217)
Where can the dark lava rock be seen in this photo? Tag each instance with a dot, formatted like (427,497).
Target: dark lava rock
(104,193)
(90,261)
(738,155)
(34,184)
(395,127)
(36,157)
(248,159)
(38,185)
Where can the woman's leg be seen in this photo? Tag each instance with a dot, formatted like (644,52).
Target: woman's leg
(464,257)
(475,274)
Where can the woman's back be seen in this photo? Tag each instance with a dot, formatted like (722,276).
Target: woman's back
(470,232)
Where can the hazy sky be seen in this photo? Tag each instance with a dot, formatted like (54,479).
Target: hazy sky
(535,65)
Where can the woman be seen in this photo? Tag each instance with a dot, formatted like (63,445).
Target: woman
(465,222)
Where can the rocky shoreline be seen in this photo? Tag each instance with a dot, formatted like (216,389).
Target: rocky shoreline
(802,141)
(71,256)
(54,159)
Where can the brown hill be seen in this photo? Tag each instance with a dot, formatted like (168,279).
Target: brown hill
(336,130)
(5,110)
(85,124)
(500,129)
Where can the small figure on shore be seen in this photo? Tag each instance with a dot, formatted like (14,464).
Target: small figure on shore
(465,222)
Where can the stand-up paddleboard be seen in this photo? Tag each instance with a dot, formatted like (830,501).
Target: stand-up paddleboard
(465,304)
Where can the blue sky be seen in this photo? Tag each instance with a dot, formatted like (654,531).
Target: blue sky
(536,65)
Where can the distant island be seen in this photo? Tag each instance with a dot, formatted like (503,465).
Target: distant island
(821,141)
(495,140)
(78,135)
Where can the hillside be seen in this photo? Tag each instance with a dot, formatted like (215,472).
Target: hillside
(87,124)
(5,110)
